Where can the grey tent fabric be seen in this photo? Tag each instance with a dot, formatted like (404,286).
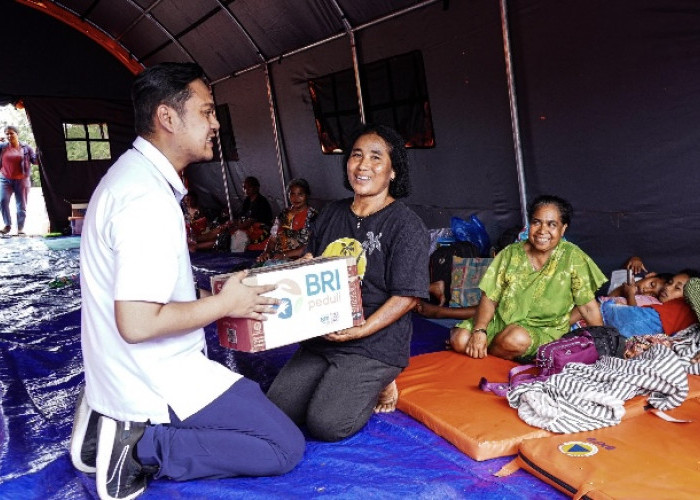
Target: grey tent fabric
(607,100)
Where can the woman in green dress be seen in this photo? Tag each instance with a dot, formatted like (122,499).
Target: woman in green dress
(531,288)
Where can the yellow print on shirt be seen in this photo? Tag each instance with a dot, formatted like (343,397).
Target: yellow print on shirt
(348,247)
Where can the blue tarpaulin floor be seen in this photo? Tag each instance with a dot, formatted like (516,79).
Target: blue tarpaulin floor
(41,373)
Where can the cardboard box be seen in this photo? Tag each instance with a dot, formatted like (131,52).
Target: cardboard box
(318,296)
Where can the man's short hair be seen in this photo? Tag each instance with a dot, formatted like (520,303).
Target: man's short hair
(252,181)
(165,83)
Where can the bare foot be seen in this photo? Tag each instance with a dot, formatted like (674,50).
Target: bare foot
(387,399)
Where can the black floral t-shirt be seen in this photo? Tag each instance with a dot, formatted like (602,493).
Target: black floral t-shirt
(391,247)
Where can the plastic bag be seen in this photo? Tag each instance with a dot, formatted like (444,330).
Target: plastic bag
(440,237)
(472,231)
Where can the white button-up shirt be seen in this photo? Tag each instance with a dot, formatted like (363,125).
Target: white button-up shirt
(134,248)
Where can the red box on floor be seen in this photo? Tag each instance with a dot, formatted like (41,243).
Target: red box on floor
(318,296)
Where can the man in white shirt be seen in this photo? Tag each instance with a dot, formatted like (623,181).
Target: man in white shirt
(164,408)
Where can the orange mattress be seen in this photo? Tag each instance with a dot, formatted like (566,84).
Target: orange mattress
(643,457)
(441,390)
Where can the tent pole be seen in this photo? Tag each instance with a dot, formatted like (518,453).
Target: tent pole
(275,131)
(358,83)
(224,176)
(366,25)
(517,146)
(270,98)
(355,62)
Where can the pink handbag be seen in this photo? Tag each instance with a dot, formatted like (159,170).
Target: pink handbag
(550,359)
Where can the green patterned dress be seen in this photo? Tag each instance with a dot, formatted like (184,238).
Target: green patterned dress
(539,301)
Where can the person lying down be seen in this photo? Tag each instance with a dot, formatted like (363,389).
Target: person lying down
(673,314)
(643,292)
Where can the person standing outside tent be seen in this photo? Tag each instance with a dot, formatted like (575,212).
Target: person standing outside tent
(165,409)
(16,159)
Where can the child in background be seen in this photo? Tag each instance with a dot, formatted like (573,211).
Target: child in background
(643,292)
(669,317)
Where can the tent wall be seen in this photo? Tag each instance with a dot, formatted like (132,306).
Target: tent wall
(609,110)
(607,105)
(246,97)
(44,57)
(471,170)
(63,182)
(607,100)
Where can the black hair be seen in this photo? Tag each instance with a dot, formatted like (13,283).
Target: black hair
(194,198)
(165,83)
(666,277)
(400,187)
(691,272)
(252,181)
(301,183)
(566,211)
(13,128)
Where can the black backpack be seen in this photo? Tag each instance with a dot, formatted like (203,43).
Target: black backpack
(608,341)
(441,260)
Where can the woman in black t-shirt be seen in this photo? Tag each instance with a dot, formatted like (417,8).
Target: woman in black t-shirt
(333,383)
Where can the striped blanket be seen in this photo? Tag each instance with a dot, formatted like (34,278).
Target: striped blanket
(587,397)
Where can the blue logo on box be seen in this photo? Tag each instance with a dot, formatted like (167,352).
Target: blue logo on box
(284,309)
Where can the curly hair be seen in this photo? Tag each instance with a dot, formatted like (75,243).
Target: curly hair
(400,187)
(566,211)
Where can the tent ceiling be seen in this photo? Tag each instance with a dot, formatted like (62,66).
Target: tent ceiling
(225,36)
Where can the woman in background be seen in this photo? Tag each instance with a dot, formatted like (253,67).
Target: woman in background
(16,159)
(530,289)
(291,229)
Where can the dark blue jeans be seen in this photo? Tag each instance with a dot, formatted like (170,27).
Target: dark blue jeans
(334,394)
(240,433)
(20,188)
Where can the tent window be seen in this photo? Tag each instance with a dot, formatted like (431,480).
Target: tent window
(87,141)
(395,93)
